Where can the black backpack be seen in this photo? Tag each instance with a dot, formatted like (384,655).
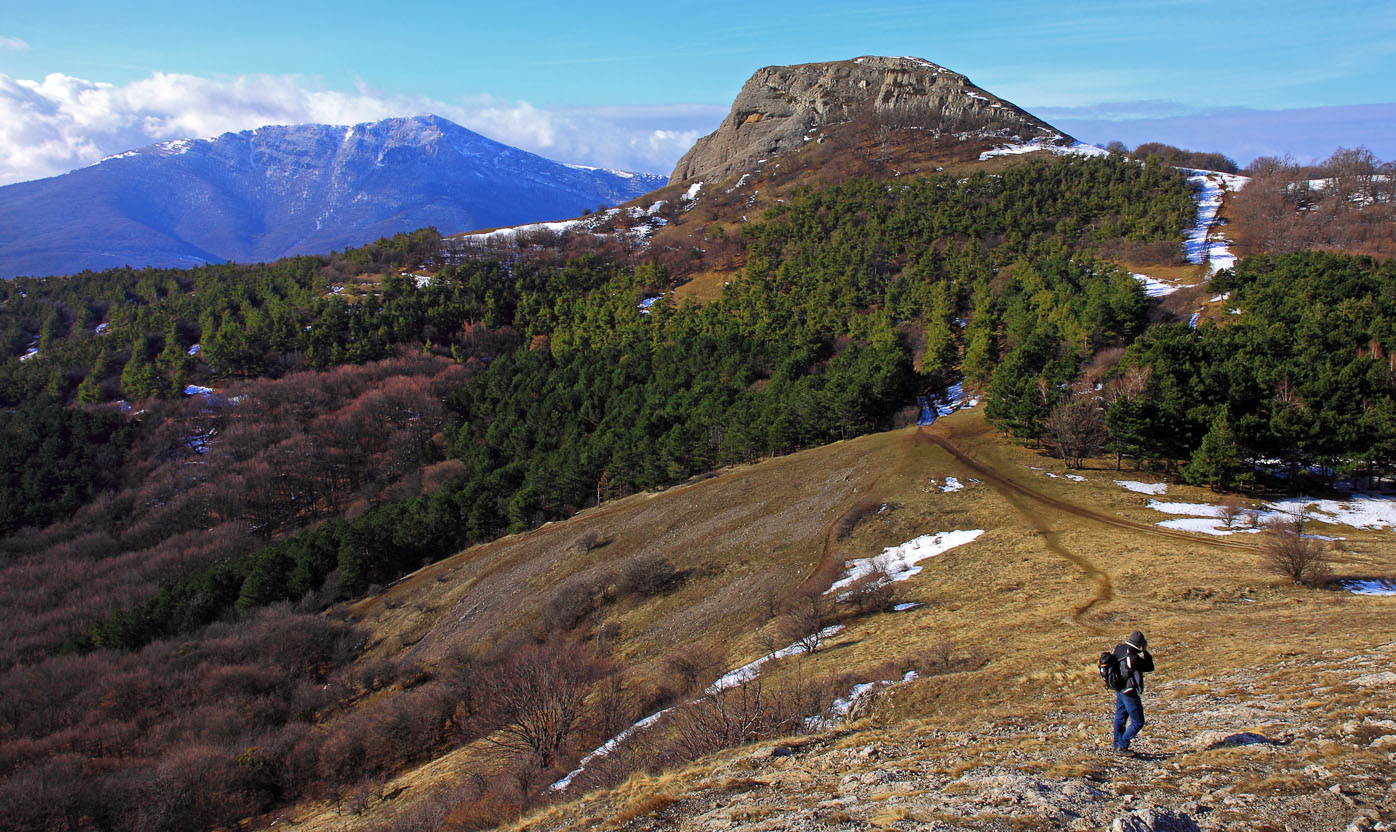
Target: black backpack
(1110,674)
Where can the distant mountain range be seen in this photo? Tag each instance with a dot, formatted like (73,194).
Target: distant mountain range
(278,191)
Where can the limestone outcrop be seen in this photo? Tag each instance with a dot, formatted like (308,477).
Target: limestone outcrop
(783,108)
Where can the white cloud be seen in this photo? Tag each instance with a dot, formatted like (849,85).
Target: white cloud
(1310,133)
(9,44)
(52,126)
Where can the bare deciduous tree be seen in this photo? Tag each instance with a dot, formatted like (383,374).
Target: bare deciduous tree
(540,697)
(1077,427)
(1284,550)
(1233,508)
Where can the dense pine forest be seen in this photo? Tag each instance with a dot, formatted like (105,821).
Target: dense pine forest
(158,537)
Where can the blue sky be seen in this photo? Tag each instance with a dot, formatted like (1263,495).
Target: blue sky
(644,79)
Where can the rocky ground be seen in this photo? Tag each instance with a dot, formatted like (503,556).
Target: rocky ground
(1309,744)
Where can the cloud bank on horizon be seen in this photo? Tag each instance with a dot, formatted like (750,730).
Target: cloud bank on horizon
(61,123)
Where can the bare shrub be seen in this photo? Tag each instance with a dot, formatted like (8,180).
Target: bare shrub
(806,621)
(871,594)
(874,592)
(570,605)
(944,657)
(694,665)
(1233,509)
(591,540)
(539,697)
(760,709)
(1077,427)
(1285,551)
(649,575)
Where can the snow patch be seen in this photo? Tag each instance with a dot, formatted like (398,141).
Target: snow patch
(606,748)
(196,390)
(1076,149)
(1362,511)
(1373,587)
(1202,243)
(952,485)
(1143,487)
(900,562)
(751,670)
(840,708)
(1202,525)
(692,192)
(1155,288)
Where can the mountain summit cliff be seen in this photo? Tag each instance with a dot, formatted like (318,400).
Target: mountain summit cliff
(781,109)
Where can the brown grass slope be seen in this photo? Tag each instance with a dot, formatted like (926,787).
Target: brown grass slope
(1064,570)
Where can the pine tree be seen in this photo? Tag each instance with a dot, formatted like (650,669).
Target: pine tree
(1217,461)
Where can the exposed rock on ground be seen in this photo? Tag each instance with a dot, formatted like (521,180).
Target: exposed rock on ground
(1241,751)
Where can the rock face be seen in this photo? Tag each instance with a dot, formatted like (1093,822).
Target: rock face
(781,108)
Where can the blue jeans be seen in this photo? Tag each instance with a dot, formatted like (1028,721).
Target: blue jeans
(1129,711)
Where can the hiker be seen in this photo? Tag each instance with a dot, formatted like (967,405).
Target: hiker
(1134,661)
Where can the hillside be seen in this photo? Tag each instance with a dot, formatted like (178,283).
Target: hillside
(277,191)
(1008,722)
(557,525)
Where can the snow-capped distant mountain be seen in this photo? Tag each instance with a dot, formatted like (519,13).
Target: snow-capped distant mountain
(277,191)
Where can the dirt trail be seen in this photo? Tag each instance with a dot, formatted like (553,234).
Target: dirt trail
(1021,497)
(938,435)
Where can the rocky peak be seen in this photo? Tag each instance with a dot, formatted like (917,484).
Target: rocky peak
(783,108)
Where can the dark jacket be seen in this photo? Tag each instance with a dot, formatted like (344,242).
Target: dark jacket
(1134,663)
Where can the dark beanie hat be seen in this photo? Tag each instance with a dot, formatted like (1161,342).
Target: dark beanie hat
(1137,639)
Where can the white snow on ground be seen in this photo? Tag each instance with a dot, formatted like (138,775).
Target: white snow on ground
(606,748)
(907,606)
(1143,487)
(33,352)
(750,671)
(841,707)
(196,390)
(194,350)
(1192,322)
(1075,477)
(1155,288)
(1202,243)
(559,226)
(1077,149)
(1363,511)
(899,562)
(1204,525)
(102,328)
(952,485)
(1191,509)
(731,679)
(692,192)
(1371,587)
(952,400)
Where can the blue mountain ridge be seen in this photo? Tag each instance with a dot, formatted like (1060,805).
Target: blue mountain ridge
(278,191)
